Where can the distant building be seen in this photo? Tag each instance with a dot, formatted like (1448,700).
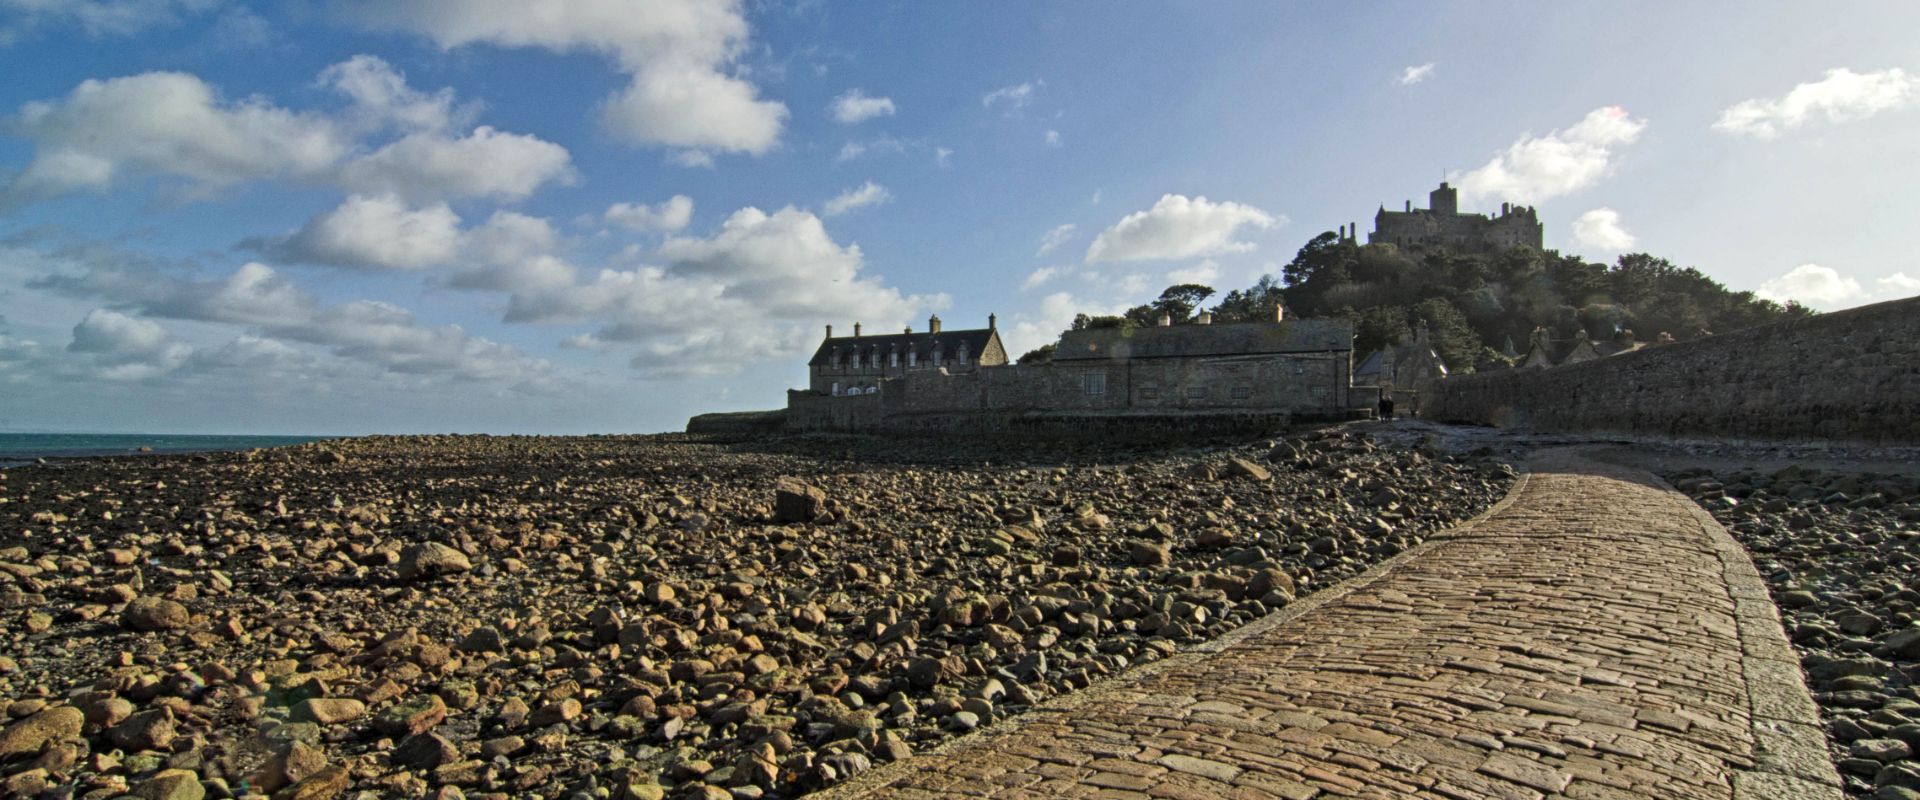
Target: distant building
(1545,351)
(1402,367)
(854,365)
(1276,368)
(1441,224)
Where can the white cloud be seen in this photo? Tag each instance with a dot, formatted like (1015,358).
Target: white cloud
(167,124)
(1178,227)
(1843,95)
(1413,75)
(1013,97)
(1826,289)
(368,332)
(1053,139)
(1601,229)
(1056,313)
(173,125)
(111,332)
(382,98)
(105,17)
(1043,275)
(374,232)
(884,144)
(1205,273)
(1054,239)
(943,158)
(485,163)
(679,55)
(856,107)
(669,215)
(1538,168)
(864,195)
(512,252)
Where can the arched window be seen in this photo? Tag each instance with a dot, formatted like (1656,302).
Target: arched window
(873,390)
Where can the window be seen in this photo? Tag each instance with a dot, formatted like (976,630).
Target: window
(873,390)
(962,356)
(1242,392)
(835,358)
(1149,392)
(1095,383)
(913,358)
(836,388)
(894,357)
(936,355)
(1196,393)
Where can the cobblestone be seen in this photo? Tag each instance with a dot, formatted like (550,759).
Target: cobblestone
(1584,639)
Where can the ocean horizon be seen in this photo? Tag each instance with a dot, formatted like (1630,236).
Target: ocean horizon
(25,448)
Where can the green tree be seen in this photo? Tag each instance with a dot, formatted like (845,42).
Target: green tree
(1039,355)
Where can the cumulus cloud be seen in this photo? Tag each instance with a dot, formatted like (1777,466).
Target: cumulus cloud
(1601,229)
(174,125)
(1179,227)
(1413,75)
(856,107)
(1842,96)
(861,196)
(372,232)
(679,56)
(1054,239)
(668,215)
(512,252)
(1825,288)
(883,144)
(1536,168)
(1055,314)
(121,347)
(1012,98)
(369,332)
(167,124)
(485,163)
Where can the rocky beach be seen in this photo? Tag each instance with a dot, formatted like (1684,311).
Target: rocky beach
(1840,551)
(638,617)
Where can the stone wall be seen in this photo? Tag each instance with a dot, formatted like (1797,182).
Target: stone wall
(1851,375)
(738,423)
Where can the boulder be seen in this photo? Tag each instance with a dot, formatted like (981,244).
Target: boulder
(429,559)
(154,614)
(797,501)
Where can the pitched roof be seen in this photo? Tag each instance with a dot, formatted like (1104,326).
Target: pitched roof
(1224,339)
(975,339)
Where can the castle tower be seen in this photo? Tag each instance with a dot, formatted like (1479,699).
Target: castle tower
(1444,201)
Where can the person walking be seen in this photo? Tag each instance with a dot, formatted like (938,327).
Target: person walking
(1386,406)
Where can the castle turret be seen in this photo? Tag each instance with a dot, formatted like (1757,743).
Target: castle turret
(1444,201)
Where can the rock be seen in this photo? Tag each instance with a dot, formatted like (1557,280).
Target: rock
(1881,750)
(797,501)
(147,730)
(27,736)
(428,559)
(556,713)
(171,784)
(414,716)
(1247,469)
(424,751)
(1150,554)
(323,785)
(1066,555)
(1798,598)
(154,614)
(328,710)
(290,765)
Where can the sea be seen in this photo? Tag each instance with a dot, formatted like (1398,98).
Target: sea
(25,448)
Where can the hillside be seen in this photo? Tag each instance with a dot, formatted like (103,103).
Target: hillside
(1474,305)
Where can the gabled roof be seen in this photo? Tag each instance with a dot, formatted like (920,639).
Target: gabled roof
(949,343)
(1224,339)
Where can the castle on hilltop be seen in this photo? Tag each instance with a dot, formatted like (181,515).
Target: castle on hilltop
(1441,224)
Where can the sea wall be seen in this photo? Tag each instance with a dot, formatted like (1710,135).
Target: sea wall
(738,423)
(1850,375)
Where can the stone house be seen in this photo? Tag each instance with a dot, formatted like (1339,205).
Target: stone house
(855,365)
(1402,367)
(1545,351)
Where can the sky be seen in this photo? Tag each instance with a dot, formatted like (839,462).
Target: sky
(336,217)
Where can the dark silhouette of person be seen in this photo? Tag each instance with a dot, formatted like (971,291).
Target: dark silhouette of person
(1386,406)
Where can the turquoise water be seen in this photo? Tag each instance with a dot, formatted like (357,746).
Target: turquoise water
(21,448)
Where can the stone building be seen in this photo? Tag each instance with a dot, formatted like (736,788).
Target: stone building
(854,365)
(1441,224)
(1402,367)
(1545,351)
(1274,369)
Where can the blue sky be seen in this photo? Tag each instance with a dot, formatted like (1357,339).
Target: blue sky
(600,216)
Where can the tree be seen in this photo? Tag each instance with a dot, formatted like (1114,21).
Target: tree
(1452,337)
(1039,355)
(1178,302)
(1083,322)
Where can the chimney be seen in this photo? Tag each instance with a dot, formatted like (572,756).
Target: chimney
(856,330)
(908,329)
(1166,320)
(1205,318)
(933,324)
(1409,206)
(993,322)
(829,331)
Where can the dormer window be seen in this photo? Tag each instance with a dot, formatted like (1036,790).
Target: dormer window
(913,358)
(961,356)
(894,357)
(936,354)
